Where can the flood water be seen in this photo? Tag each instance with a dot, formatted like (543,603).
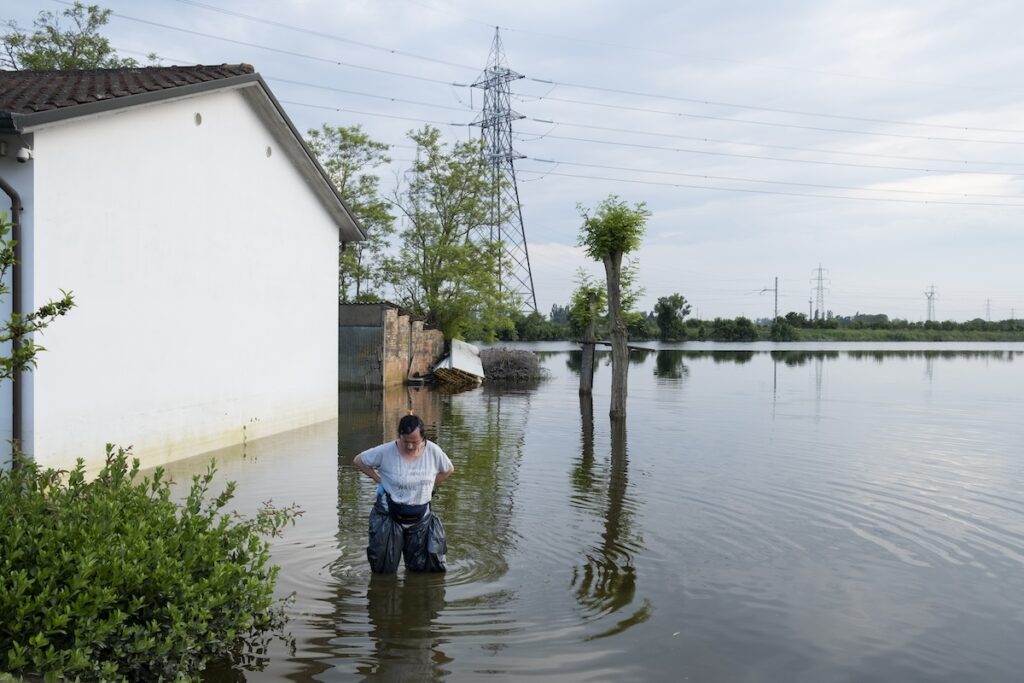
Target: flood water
(849,514)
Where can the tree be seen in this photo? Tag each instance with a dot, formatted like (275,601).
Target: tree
(17,328)
(670,312)
(447,270)
(348,154)
(52,46)
(588,305)
(612,231)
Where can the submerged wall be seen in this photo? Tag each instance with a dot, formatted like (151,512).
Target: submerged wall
(382,345)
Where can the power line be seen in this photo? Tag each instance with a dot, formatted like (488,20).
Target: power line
(773,182)
(772,192)
(320,34)
(414,119)
(411,55)
(750,107)
(365,94)
(770,146)
(772,124)
(765,158)
(759,65)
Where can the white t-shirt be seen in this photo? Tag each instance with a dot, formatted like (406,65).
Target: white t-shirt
(407,482)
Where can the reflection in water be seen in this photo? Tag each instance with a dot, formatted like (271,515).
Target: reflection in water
(606,583)
(737,357)
(402,613)
(882,540)
(583,480)
(795,358)
(669,364)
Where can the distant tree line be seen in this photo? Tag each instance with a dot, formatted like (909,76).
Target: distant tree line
(669,321)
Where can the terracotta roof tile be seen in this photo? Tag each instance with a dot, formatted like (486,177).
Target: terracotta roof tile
(27,92)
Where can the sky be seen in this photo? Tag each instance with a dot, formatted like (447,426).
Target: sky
(875,146)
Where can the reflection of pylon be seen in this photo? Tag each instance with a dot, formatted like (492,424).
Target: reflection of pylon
(495,123)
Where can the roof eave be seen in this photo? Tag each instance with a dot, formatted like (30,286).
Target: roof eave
(17,123)
(20,123)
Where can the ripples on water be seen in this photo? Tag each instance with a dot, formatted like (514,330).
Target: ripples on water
(759,516)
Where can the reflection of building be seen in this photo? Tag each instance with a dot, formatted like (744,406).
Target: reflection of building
(380,344)
(370,415)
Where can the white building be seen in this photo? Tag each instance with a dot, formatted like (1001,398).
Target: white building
(199,237)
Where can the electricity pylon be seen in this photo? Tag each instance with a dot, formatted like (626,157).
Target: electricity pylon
(495,123)
(930,294)
(819,311)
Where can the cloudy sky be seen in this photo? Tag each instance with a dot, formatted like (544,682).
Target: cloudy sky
(880,141)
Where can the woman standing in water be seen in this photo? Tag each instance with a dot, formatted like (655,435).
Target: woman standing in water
(401,521)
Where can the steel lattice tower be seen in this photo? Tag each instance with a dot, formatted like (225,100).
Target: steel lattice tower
(495,123)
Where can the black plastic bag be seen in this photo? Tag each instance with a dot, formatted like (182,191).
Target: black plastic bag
(422,543)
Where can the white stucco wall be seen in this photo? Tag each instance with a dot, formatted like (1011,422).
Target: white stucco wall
(205,278)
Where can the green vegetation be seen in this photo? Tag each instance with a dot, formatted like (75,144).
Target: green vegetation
(111,580)
(609,233)
(568,323)
(669,313)
(53,46)
(17,328)
(349,155)
(448,270)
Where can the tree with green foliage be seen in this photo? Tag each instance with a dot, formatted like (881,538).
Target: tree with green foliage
(448,269)
(588,306)
(610,232)
(18,328)
(670,312)
(740,329)
(55,46)
(348,155)
(782,331)
(559,314)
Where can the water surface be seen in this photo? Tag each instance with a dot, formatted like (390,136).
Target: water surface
(855,513)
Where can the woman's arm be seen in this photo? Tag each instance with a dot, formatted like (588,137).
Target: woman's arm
(366,469)
(441,476)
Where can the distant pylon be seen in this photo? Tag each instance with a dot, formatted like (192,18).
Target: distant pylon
(819,311)
(930,294)
(495,123)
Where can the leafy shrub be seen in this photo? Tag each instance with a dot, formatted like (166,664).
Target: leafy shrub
(782,331)
(111,579)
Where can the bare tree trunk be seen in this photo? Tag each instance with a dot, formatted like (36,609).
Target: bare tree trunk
(617,332)
(587,361)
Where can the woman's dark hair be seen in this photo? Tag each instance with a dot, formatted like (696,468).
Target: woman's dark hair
(409,424)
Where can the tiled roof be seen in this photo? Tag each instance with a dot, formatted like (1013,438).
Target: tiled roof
(28,92)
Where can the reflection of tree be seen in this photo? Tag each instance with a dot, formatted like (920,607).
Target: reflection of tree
(583,474)
(402,612)
(668,364)
(606,583)
(795,358)
(484,433)
(738,357)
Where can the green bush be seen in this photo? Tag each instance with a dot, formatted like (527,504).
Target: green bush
(110,579)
